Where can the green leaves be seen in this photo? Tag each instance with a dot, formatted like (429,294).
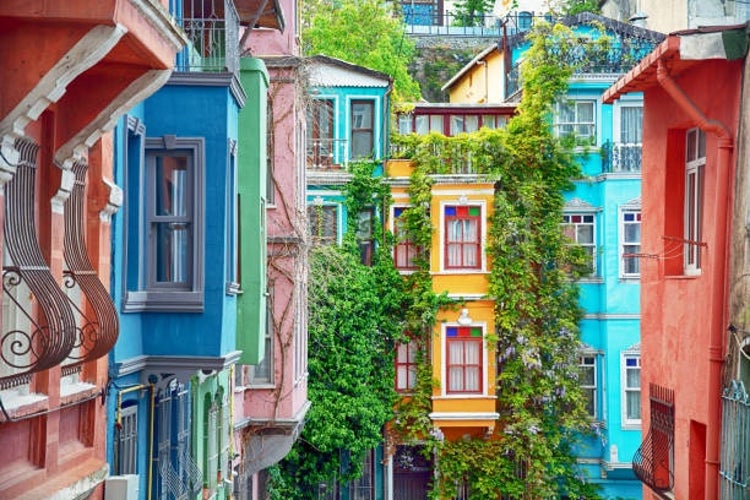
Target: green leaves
(363,32)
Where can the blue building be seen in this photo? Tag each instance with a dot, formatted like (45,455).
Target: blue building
(175,273)
(603,214)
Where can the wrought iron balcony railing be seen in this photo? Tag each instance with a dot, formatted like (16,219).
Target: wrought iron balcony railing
(212,28)
(653,462)
(621,158)
(327,154)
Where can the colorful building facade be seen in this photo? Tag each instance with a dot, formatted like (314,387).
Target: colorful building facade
(70,72)
(188,261)
(271,380)
(694,339)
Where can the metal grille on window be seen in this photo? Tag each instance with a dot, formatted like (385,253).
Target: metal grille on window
(97,324)
(34,341)
(127,441)
(362,488)
(735,436)
(653,462)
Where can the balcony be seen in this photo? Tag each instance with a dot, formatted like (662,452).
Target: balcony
(423,19)
(212,28)
(619,158)
(592,58)
(327,154)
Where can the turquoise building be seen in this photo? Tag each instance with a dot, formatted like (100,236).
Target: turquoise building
(603,214)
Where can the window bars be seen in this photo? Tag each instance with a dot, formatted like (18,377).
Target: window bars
(95,336)
(734,473)
(50,334)
(653,462)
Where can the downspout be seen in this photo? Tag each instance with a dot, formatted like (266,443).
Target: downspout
(151,441)
(718,311)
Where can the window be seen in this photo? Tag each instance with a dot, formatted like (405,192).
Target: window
(406,365)
(404,251)
(364,236)
(631,388)
(628,135)
(127,441)
(323,223)
(464,359)
(464,123)
(172,259)
(211,428)
(462,237)
(630,238)
(232,224)
(694,166)
(424,124)
(577,119)
(405,123)
(320,152)
(363,129)
(587,379)
(300,330)
(579,228)
(262,373)
(270,155)
(363,488)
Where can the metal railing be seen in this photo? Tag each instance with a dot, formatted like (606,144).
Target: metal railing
(424,19)
(213,37)
(621,158)
(653,462)
(327,154)
(734,471)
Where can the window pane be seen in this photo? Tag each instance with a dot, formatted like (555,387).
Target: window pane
(362,115)
(436,124)
(585,234)
(632,232)
(631,124)
(488,121)
(421,125)
(472,123)
(634,379)
(633,410)
(362,144)
(171,185)
(457,124)
(172,247)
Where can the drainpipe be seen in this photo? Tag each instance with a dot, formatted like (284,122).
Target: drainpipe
(718,292)
(151,441)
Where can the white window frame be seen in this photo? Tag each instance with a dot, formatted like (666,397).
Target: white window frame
(444,361)
(588,387)
(593,245)
(629,423)
(695,165)
(254,379)
(636,211)
(232,224)
(482,237)
(575,102)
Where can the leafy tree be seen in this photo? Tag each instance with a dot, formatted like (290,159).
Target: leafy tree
(363,32)
(354,313)
(472,12)
(573,7)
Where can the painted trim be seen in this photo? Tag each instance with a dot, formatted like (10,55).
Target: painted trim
(444,363)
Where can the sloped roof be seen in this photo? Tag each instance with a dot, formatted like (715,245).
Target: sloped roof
(261,14)
(325,71)
(479,57)
(624,30)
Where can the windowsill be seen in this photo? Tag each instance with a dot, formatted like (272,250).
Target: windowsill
(682,276)
(463,396)
(261,385)
(591,279)
(163,301)
(72,391)
(460,271)
(630,279)
(631,427)
(19,405)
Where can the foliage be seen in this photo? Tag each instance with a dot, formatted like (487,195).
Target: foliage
(354,317)
(366,33)
(472,12)
(573,7)
(533,281)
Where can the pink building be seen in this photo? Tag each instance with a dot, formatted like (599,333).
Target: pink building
(271,397)
(692,328)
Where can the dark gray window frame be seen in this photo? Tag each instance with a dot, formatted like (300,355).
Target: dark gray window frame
(232,223)
(160,297)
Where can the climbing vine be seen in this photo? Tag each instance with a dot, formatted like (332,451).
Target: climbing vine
(533,281)
(354,318)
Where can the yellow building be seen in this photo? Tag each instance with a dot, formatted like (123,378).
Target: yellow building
(481,81)
(462,360)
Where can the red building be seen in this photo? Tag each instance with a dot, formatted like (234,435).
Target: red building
(695,407)
(70,70)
